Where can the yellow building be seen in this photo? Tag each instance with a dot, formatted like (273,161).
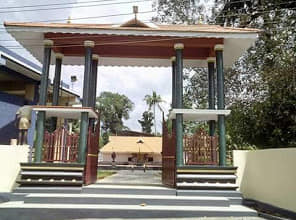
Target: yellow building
(132,150)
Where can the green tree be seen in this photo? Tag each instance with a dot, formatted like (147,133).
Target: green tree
(260,87)
(152,101)
(146,122)
(104,139)
(264,109)
(113,108)
(195,79)
(181,11)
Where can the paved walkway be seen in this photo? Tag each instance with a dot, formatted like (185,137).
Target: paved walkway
(150,177)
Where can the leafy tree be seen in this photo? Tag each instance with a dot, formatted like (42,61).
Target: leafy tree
(263,110)
(146,122)
(114,108)
(104,139)
(152,101)
(260,87)
(249,12)
(195,79)
(181,11)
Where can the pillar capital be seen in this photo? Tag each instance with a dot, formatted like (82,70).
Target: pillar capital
(173,58)
(179,46)
(59,56)
(95,57)
(89,43)
(211,59)
(219,47)
(48,43)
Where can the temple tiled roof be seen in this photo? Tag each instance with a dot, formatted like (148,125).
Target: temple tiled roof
(127,144)
(157,28)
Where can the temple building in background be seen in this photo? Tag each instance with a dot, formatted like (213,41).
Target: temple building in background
(132,150)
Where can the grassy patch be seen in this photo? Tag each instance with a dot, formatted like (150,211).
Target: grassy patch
(104,173)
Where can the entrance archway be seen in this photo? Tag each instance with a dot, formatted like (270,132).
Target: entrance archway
(134,44)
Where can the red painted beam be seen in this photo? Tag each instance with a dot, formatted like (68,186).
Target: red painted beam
(78,39)
(137,51)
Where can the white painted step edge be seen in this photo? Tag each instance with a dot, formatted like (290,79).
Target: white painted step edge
(235,192)
(109,186)
(205,176)
(218,185)
(126,196)
(227,209)
(78,188)
(38,173)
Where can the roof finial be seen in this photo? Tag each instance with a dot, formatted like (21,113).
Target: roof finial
(69,20)
(135,11)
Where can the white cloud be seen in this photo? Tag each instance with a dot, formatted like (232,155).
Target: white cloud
(135,83)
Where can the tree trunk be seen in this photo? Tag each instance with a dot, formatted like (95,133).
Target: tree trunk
(154,120)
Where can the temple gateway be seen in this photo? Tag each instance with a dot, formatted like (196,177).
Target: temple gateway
(133,43)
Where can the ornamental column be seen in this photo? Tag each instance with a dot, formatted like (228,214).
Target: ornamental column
(173,60)
(56,85)
(85,102)
(42,100)
(95,59)
(93,86)
(57,79)
(211,91)
(221,103)
(179,103)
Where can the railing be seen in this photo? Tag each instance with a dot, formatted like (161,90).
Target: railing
(200,149)
(91,166)
(60,146)
(168,157)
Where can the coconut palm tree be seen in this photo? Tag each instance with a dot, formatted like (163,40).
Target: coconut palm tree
(152,101)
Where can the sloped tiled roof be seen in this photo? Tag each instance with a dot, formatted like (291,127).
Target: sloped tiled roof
(184,28)
(235,41)
(128,144)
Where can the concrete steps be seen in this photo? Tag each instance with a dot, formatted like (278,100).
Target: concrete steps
(215,193)
(51,174)
(206,178)
(111,200)
(208,181)
(233,196)
(52,189)
(207,186)
(83,211)
(124,201)
(127,189)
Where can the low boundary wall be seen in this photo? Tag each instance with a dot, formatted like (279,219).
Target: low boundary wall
(268,176)
(10,158)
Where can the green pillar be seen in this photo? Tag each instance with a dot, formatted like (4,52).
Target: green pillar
(90,86)
(93,87)
(56,86)
(179,103)
(95,59)
(85,102)
(173,59)
(42,100)
(211,92)
(84,121)
(57,79)
(221,104)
